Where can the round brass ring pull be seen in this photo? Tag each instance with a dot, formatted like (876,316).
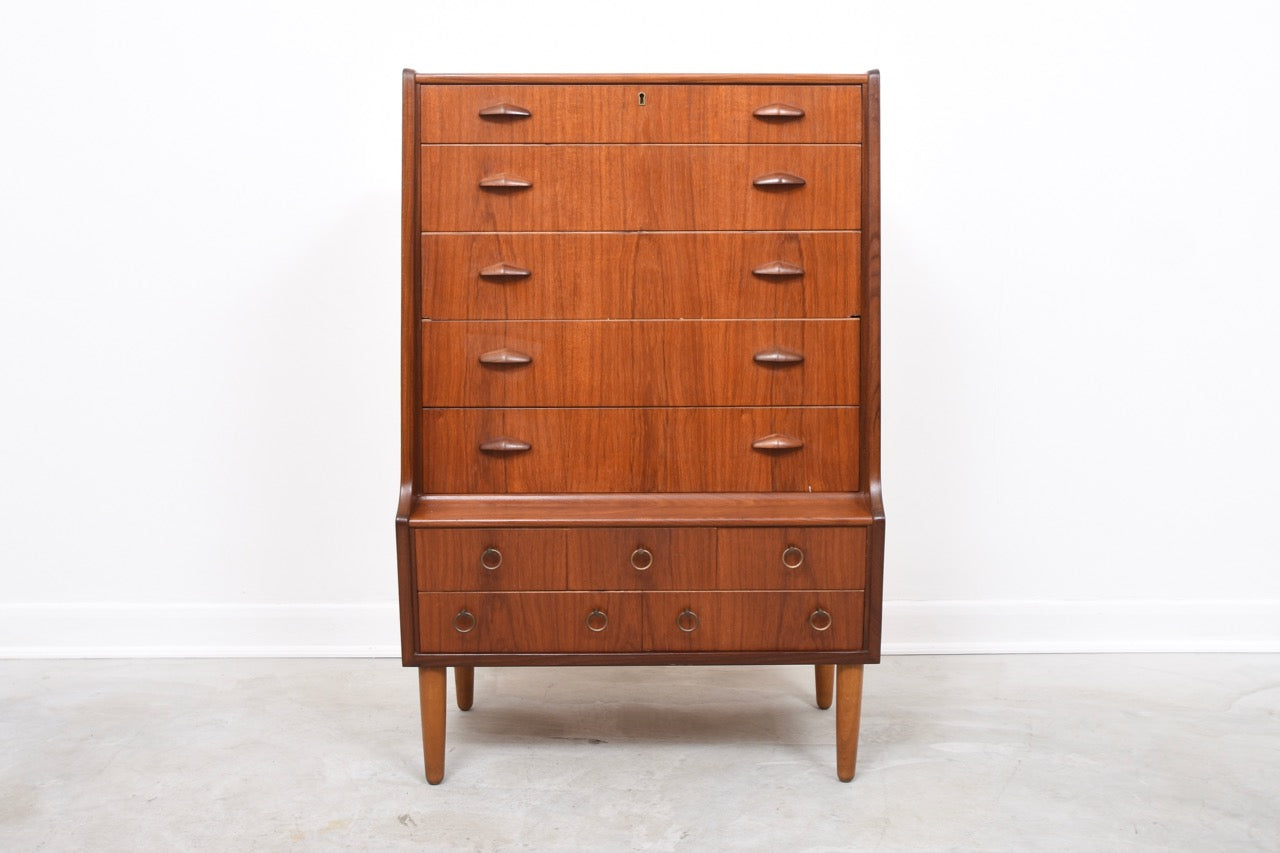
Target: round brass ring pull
(464,621)
(597,620)
(687,621)
(819,620)
(491,559)
(792,557)
(641,559)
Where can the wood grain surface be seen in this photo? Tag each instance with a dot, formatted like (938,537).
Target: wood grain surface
(522,621)
(647,79)
(584,275)
(681,558)
(638,187)
(752,558)
(456,560)
(640,363)
(557,622)
(638,558)
(753,621)
(612,113)
(640,450)
(693,509)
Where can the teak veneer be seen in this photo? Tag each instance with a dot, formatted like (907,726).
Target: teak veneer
(640,378)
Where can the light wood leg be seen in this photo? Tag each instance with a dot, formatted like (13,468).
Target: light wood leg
(464,682)
(824,678)
(848,714)
(431,696)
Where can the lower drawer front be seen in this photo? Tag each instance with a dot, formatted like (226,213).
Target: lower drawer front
(791,558)
(546,559)
(490,559)
(565,622)
(530,622)
(521,451)
(823,620)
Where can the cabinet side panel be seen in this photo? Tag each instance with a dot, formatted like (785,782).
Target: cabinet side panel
(870,455)
(410,406)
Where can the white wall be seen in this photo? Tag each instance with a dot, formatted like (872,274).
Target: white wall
(198,326)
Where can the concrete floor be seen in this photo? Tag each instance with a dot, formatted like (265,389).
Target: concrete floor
(1019,753)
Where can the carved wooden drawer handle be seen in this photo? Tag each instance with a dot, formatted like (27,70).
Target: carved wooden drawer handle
(503,270)
(784,111)
(597,620)
(819,620)
(503,357)
(778,355)
(779,269)
(503,444)
(687,621)
(464,621)
(491,559)
(504,181)
(778,179)
(504,111)
(777,441)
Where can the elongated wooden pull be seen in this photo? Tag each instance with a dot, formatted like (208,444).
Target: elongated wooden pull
(503,444)
(779,269)
(504,111)
(778,111)
(777,441)
(503,270)
(505,356)
(503,181)
(778,355)
(779,179)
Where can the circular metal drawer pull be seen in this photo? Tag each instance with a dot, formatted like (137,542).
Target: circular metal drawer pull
(819,620)
(687,621)
(597,620)
(464,621)
(641,559)
(792,557)
(491,559)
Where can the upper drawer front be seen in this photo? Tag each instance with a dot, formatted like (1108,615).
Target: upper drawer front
(639,187)
(640,450)
(640,363)
(613,113)
(588,276)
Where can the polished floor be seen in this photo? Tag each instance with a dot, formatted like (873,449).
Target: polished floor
(984,753)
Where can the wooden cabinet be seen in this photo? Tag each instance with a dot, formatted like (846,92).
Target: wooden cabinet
(640,378)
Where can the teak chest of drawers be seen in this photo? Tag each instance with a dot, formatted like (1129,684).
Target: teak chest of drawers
(640,378)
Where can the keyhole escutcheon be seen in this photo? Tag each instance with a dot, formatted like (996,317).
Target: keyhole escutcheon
(641,99)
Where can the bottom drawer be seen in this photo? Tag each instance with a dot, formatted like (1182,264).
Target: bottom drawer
(515,622)
(559,622)
(823,620)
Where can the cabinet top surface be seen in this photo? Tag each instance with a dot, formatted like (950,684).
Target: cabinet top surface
(744,79)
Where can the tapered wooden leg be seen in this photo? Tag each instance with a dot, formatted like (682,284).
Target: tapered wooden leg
(464,683)
(824,677)
(431,695)
(848,714)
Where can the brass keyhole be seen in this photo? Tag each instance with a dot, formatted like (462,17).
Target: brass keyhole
(642,99)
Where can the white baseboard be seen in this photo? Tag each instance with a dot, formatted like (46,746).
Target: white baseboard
(372,630)
(199,630)
(1003,627)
